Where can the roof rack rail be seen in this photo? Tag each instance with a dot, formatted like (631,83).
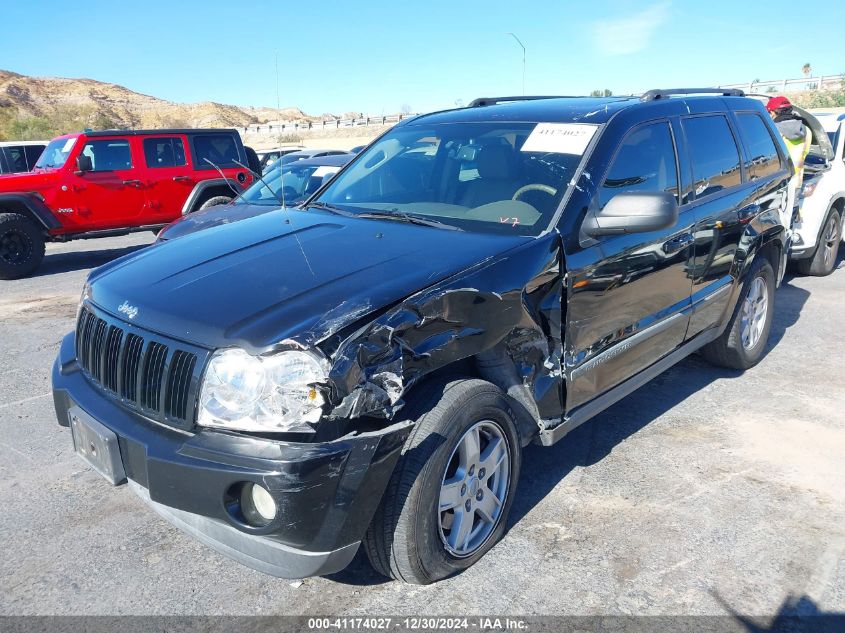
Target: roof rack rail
(653,95)
(486,101)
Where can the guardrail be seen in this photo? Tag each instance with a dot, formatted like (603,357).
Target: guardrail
(825,82)
(327,124)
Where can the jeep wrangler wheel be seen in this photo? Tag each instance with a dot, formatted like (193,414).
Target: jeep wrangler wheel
(215,201)
(742,343)
(21,246)
(823,260)
(449,496)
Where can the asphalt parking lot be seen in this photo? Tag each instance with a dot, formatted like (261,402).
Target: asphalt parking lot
(705,492)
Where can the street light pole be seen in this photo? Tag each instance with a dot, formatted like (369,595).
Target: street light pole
(518,41)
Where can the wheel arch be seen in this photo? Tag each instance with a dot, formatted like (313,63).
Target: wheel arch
(29,206)
(209,189)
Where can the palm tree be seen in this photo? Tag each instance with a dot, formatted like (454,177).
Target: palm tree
(807,69)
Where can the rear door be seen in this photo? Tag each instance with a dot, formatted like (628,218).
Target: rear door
(731,187)
(168,176)
(629,294)
(111,195)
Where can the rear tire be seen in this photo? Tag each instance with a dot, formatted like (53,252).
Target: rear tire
(442,483)
(743,342)
(215,201)
(21,246)
(823,260)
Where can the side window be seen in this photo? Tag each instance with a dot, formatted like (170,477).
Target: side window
(164,152)
(763,155)
(714,155)
(33,153)
(16,158)
(645,162)
(220,149)
(109,155)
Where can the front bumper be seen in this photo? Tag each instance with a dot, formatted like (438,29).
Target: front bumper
(326,493)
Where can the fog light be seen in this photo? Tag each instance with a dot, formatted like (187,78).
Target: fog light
(257,505)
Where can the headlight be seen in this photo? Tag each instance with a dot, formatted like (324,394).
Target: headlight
(86,293)
(262,393)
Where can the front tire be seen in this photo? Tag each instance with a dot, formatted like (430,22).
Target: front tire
(743,342)
(21,246)
(823,260)
(448,499)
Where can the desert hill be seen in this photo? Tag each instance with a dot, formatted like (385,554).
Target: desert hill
(39,107)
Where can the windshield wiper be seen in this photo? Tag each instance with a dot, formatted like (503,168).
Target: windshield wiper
(402,216)
(325,206)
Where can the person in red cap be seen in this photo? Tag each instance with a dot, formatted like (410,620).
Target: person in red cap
(797,138)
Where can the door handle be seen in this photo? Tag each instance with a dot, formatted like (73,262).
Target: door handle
(132,183)
(182,179)
(677,243)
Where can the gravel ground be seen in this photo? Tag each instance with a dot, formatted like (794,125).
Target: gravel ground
(704,492)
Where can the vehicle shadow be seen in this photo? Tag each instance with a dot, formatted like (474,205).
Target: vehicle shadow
(794,615)
(55,263)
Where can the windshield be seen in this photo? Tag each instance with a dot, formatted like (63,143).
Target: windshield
(56,153)
(487,177)
(299,182)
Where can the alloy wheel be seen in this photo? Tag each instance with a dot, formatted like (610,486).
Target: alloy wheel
(754,311)
(831,237)
(474,488)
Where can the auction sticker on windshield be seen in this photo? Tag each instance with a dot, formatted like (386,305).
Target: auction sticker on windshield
(560,138)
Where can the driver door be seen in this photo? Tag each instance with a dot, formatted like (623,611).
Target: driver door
(628,294)
(111,194)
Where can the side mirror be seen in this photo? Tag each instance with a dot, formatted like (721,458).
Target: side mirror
(84,163)
(633,212)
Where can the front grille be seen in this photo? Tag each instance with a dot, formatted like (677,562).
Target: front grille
(146,372)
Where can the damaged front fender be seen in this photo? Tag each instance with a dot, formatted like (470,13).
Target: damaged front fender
(512,302)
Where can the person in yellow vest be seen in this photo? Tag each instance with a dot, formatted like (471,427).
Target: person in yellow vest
(797,138)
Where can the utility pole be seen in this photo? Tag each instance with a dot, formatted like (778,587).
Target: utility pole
(518,41)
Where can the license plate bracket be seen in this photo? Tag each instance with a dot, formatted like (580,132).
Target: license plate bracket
(97,445)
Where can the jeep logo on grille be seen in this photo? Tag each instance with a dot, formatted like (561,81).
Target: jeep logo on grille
(129,310)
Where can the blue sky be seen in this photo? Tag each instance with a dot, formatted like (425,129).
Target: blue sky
(374,56)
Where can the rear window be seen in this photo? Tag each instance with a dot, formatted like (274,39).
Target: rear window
(164,152)
(714,155)
(219,149)
(763,159)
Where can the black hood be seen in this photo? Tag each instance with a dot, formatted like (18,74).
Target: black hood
(295,275)
(214,216)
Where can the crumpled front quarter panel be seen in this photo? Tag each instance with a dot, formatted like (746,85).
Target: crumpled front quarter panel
(513,299)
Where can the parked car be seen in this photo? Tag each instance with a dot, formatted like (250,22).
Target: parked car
(268,157)
(19,156)
(366,369)
(817,231)
(301,179)
(99,184)
(312,153)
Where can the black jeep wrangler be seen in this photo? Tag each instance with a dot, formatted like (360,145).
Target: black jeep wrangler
(366,367)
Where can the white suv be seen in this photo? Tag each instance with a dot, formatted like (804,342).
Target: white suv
(817,232)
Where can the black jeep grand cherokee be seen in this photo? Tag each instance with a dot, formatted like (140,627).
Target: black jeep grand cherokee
(366,368)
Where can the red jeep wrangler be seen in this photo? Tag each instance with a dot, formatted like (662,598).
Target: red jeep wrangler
(101,184)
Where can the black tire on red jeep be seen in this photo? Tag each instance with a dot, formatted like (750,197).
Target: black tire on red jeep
(21,246)
(215,201)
